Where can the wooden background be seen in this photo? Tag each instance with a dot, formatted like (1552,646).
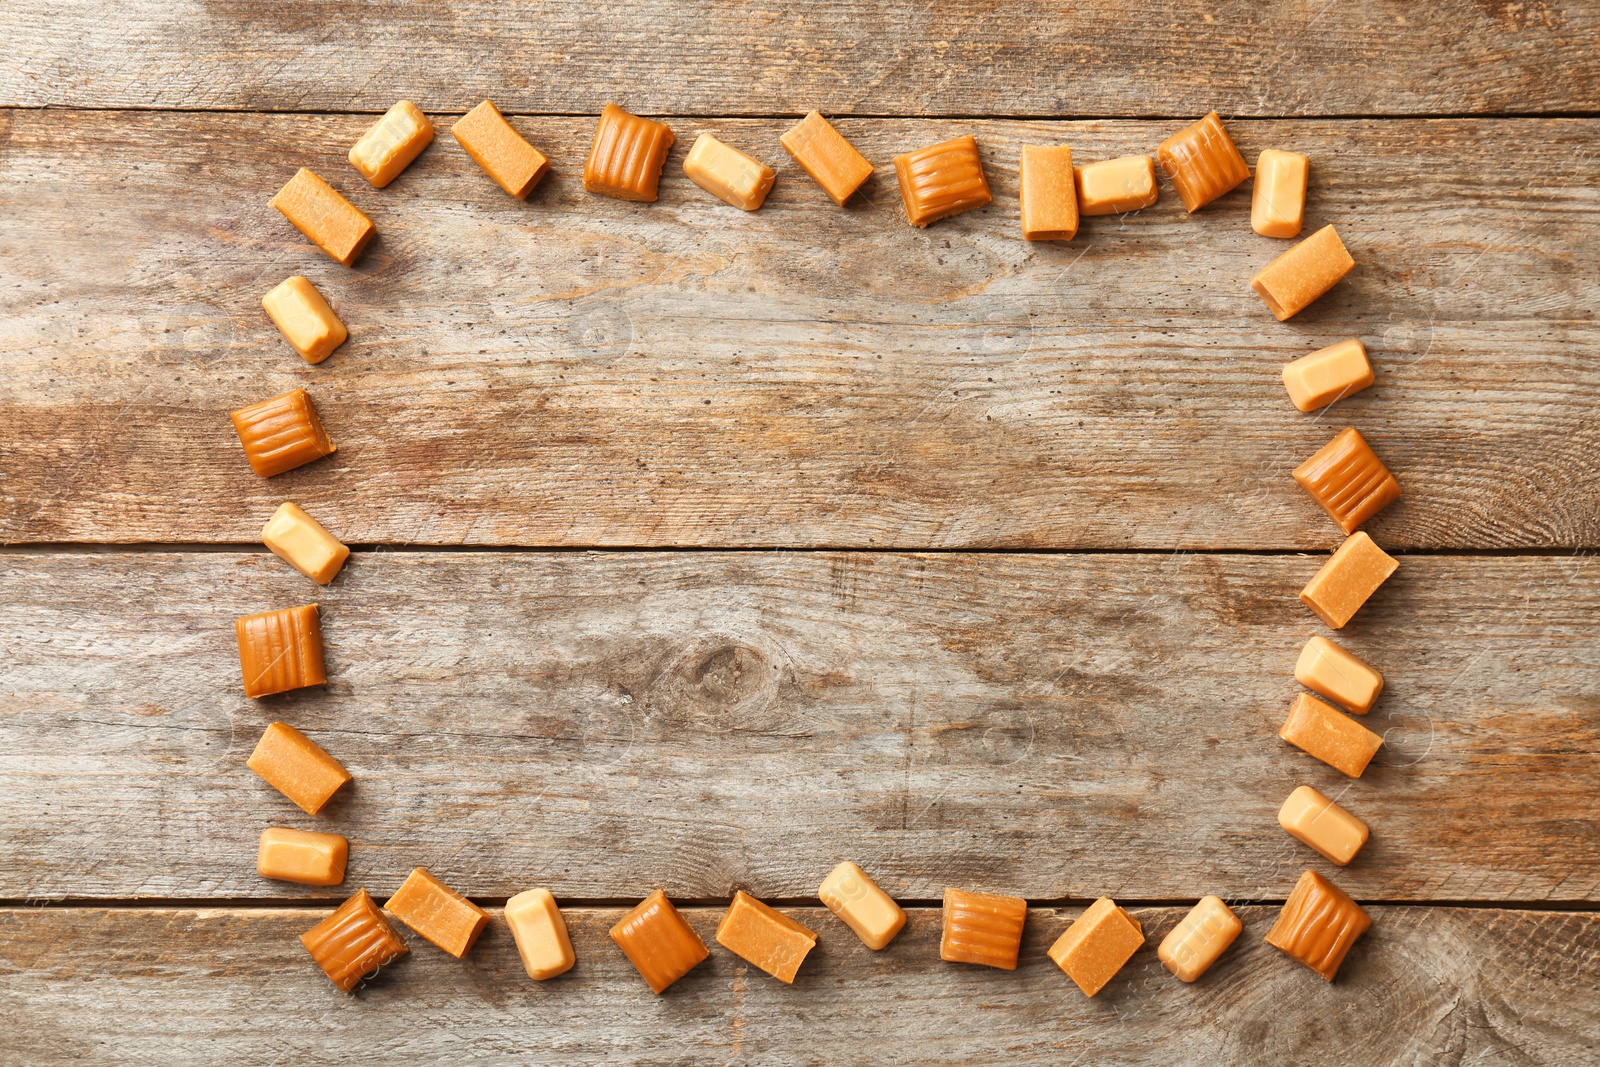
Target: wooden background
(702,550)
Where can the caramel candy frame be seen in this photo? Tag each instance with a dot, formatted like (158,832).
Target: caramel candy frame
(438,912)
(1096,946)
(982,928)
(823,153)
(391,144)
(280,650)
(353,942)
(765,937)
(503,153)
(305,857)
(1048,193)
(281,433)
(941,180)
(1202,162)
(1318,925)
(1352,574)
(295,766)
(1348,480)
(658,942)
(1199,939)
(1292,281)
(328,220)
(1330,735)
(626,158)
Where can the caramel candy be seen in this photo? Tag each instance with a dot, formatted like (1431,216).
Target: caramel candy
(282,433)
(866,909)
(305,319)
(280,650)
(727,173)
(291,763)
(1048,192)
(500,150)
(1314,820)
(627,156)
(303,856)
(353,942)
(1328,374)
(300,541)
(1278,205)
(770,940)
(1348,480)
(392,143)
(823,153)
(1094,948)
(438,912)
(658,942)
(541,934)
(1202,162)
(1318,924)
(1330,671)
(941,180)
(1196,942)
(331,222)
(1303,273)
(982,928)
(1351,575)
(1116,186)
(1330,735)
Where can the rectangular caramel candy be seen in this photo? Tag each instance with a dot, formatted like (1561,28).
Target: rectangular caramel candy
(1278,205)
(823,153)
(353,942)
(1048,192)
(1318,925)
(1303,273)
(728,174)
(1351,575)
(541,934)
(304,318)
(1330,671)
(1202,162)
(982,928)
(291,763)
(280,650)
(391,143)
(438,912)
(282,433)
(331,222)
(657,941)
(941,180)
(1199,939)
(500,150)
(1346,477)
(302,856)
(300,541)
(626,158)
(1116,186)
(866,909)
(1314,820)
(1330,735)
(767,938)
(1093,949)
(1328,374)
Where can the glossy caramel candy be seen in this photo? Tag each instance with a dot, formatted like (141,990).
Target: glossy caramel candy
(1318,925)
(1048,192)
(1348,480)
(1116,186)
(1333,672)
(728,174)
(658,942)
(280,650)
(300,541)
(626,158)
(866,909)
(282,433)
(1329,734)
(1199,939)
(331,222)
(391,143)
(541,934)
(1278,204)
(1292,281)
(304,319)
(353,942)
(1314,820)
(941,180)
(514,164)
(1093,949)
(765,937)
(823,153)
(1352,574)
(1202,162)
(438,913)
(982,928)
(1328,374)
(295,766)
(302,856)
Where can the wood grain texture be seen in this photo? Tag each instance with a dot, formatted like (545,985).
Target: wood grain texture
(843,56)
(578,371)
(1427,987)
(1052,726)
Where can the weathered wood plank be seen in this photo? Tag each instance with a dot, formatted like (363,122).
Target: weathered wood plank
(1426,987)
(577,371)
(1057,726)
(845,56)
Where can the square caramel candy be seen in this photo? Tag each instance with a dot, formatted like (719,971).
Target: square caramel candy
(391,143)
(1349,578)
(1278,204)
(1093,949)
(280,650)
(1292,281)
(1328,374)
(866,909)
(302,856)
(1049,193)
(1330,735)
(1314,820)
(626,158)
(1200,939)
(823,153)
(765,937)
(291,763)
(541,934)
(1332,672)
(438,913)
(941,180)
(328,220)
(728,174)
(300,541)
(353,942)
(1116,186)
(1318,924)
(658,942)
(1202,162)
(501,151)
(304,318)
(982,928)
(1348,480)
(282,433)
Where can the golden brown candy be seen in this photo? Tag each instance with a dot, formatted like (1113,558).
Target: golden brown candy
(626,158)
(941,180)
(1202,162)
(1049,193)
(514,164)
(1314,820)
(541,934)
(1351,575)
(1278,205)
(304,318)
(982,928)
(767,938)
(1093,949)
(295,766)
(1303,273)
(331,222)
(353,942)
(1330,735)
(391,143)
(866,909)
(1348,480)
(302,856)
(728,174)
(280,650)
(282,433)
(438,913)
(1199,939)
(1116,186)
(1331,671)
(1328,374)
(300,541)
(823,153)
(1318,925)
(658,942)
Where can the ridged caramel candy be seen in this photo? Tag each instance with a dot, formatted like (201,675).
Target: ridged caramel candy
(866,909)
(304,318)
(391,143)
(303,856)
(1346,477)
(1303,273)
(1351,575)
(280,650)
(982,928)
(300,541)
(728,174)
(823,153)
(658,942)
(282,433)
(1199,939)
(1048,193)
(1314,820)
(1328,374)
(295,766)
(941,180)
(767,938)
(1278,204)
(1116,186)
(1318,925)
(1093,949)
(626,158)
(1202,162)
(1333,672)
(541,934)
(331,222)
(1330,735)
(438,913)
(507,157)
(353,942)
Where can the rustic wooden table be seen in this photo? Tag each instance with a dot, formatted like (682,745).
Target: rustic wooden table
(702,550)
